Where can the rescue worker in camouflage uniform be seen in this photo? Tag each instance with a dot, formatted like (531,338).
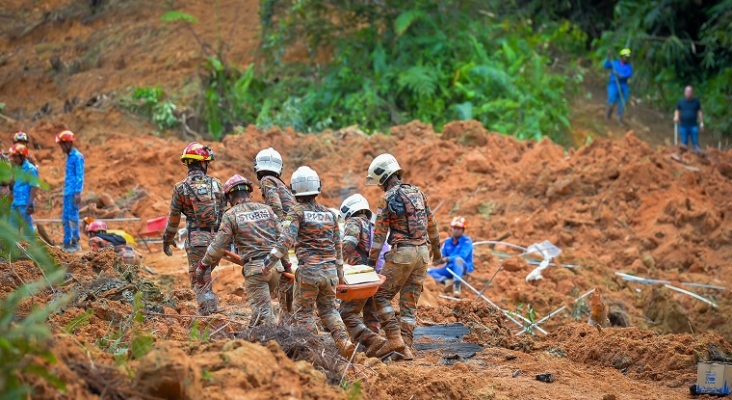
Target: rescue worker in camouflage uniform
(313,229)
(100,239)
(356,245)
(201,199)
(404,214)
(268,166)
(254,229)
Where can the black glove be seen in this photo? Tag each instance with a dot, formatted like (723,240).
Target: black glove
(371,263)
(287,265)
(168,248)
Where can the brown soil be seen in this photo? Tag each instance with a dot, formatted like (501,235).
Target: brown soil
(612,205)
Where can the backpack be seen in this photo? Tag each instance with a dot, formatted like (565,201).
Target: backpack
(202,192)
(407,202)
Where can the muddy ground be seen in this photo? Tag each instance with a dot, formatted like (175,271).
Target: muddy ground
(613,205)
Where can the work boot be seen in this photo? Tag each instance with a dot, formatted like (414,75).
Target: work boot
(404,355)
(374,343)
(456,288)
(347,349)
(608,112)
(394,343)
(448,284)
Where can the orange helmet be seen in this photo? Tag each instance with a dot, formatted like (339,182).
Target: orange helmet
(458,222)
(237,182)
(18,149)
(20,137)
(96,226)
(196,152)
(65,136)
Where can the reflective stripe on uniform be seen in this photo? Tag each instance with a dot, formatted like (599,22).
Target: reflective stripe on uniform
(409,320)
(386,310)
(277,253)
(350,239)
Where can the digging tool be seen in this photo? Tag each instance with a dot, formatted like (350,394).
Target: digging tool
(500,267)
(541,321)
(694,295)
(584,295)
(676,134)
(646,281)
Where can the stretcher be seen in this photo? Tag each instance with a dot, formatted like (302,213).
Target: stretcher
(358,291)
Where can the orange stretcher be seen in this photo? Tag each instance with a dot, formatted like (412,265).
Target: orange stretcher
(359,291)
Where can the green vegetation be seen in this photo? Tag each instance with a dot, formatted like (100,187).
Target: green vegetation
(151,102)
(24,336)
(508,64)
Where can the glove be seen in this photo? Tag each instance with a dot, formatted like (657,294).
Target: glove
(371,263)
(287,265)
(30,209)
(200,271)
(168,248)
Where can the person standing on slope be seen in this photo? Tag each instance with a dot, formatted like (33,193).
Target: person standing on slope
(200,198)
(404,214)
(254,229)
(73,186)
(313,229)
(24,190)
(617,86)
(268,166)
(690,118)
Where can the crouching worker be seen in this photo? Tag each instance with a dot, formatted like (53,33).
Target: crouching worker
(356,246)
(457,254)
(313,229)
(253,228)
(100,239)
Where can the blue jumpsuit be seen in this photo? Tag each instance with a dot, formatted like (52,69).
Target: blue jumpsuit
(73,185)
(21,196)
(459,259)
(623,71)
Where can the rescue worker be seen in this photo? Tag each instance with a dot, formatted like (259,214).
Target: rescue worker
(313,230)
(617,86)
(254,229)
(22,138)
(73,186)
(24,190)
(201,199)
(404,214)
(268,166)
(457,255)
(356,245)
(100,239)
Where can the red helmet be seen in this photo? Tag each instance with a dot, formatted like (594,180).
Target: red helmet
(96,226)
(237,182)
(65,136)
(458,222)
(198,152)
(18,149)
(20,137)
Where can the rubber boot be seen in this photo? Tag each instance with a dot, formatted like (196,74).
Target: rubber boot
(608,112)
(456,288)
(394,343)
(373,344)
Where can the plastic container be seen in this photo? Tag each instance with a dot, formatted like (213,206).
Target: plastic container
(359,292)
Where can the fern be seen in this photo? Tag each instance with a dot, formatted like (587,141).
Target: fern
(178,16)
(420,80)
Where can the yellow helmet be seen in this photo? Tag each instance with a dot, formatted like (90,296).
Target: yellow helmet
(625,53)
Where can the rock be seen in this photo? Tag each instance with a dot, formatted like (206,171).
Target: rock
(478,163)
(168,373)
(609,397)
(560,187)
(106,200)
(470,133)
(515,264)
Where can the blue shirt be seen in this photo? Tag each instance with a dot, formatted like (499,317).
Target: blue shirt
(74,183)
(463,249)
(22,188)
(624,71)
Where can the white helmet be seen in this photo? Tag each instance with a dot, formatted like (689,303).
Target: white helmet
(381,169)
(268,160)
(305,182)
(353,204)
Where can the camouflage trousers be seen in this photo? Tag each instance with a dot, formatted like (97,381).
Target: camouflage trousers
(204,294)
(360,329)
(315,287)
(259,293)
(285,295)
(405,269)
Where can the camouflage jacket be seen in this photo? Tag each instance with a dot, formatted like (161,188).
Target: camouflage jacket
(253,227)
(277,196)
(315,230)
(357,240)
(202,215)
(416,227)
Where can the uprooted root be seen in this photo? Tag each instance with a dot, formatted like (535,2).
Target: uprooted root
(301,344)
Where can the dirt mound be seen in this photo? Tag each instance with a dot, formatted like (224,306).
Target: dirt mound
(639,354)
